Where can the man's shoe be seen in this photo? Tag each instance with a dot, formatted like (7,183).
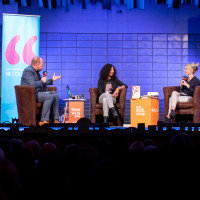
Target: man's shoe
(105,119)
(172,114)
(114,113)
(42,123)
(56,122)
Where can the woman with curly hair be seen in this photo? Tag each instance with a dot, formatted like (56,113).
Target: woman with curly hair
(108,90)
(185,90)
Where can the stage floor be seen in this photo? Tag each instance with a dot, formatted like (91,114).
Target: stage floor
(83,134)
(108,128)
(99,127)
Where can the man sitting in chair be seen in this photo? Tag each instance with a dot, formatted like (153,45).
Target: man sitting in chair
(32,77)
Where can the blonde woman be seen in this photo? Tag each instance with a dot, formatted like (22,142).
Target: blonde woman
(185,90)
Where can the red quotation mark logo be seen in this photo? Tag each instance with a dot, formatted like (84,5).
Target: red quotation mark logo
(13,57)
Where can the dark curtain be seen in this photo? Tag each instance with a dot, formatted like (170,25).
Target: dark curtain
(107,4)
(53,3)
(45,3)
(19,2)
(5,2)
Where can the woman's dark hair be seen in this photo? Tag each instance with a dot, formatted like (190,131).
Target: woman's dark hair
(105,71)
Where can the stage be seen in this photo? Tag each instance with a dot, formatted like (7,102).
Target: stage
(84,127)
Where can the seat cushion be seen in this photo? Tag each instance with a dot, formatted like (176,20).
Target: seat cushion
(184,105)
(184,111)
(100,106)
(39,108)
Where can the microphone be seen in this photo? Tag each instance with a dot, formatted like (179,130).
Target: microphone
(185,78)
(45,73)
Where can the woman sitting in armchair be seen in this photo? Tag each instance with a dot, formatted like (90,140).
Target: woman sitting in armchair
(108,90)
(185,90)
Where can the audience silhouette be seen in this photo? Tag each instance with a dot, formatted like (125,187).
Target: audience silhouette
(36,169)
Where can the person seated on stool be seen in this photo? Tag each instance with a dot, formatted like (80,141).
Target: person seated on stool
(108,90)
(32,77)
(185,90)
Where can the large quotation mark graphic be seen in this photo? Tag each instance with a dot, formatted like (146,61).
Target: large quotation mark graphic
(13,57)
(28,52)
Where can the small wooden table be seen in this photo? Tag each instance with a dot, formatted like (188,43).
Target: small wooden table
(74,109)
(144,111)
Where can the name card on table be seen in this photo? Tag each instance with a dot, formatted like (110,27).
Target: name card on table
(76,109)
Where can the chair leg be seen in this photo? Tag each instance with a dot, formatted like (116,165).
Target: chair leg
(121,118)
(93,118)
(119,122)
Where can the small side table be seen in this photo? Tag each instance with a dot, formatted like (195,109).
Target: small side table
(75,108)
(144,111)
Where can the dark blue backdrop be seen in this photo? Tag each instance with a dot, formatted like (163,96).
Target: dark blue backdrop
(149,47)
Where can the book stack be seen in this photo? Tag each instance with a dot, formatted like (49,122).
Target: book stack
(154,95)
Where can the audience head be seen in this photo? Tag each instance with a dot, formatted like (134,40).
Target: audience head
(17,144)
(10,184)
(83,124)
(136,146)
(151,148)
(72,149)
(2,154)
(34,147)
(90,150)
(178,143)
(148,142)
(48,147)
(6,146)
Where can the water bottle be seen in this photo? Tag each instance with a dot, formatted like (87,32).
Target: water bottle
(82,96)
(69,92)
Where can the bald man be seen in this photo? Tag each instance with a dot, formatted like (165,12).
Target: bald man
(32,77)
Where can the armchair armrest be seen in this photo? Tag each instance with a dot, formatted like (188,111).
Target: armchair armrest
(93,102)
(93,97)
(196,105)
(26,103)
(122,97)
